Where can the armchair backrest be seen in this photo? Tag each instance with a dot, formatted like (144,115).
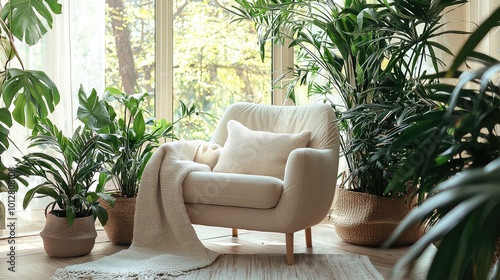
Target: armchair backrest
(318,118)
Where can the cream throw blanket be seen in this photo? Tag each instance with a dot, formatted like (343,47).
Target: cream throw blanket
(165,243)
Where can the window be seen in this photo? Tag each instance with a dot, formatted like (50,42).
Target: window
(215,63)
(179,50)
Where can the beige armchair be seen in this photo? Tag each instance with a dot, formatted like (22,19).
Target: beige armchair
(285,203)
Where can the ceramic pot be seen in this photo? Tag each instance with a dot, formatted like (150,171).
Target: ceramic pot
(61,241)
(368,220)
(120,225)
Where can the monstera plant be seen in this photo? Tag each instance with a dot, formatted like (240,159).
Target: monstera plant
(26,94)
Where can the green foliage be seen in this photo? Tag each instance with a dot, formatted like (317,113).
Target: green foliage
(462,132)
(372,56)
(132,135)
(28,20)
(467,208)
(30,93)
(69,174)
(5,124)
(457,166)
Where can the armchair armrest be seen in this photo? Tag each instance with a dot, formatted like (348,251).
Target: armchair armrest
(309,187)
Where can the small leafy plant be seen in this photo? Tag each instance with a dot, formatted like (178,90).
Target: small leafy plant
(131,132)
(68,167)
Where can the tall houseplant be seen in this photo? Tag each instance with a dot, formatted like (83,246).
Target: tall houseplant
(133,134)
(462,132)
(373,56)
(376,58)
(458,169)
(68,169)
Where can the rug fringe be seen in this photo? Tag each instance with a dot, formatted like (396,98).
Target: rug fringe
(62,274)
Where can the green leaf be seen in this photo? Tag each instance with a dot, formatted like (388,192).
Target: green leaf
(28,20)
(139,125)
(92,111)
(108,198)
(33,94)
(40,189)
(101,214)
(5,123)
(8,52)
(70,215)
(101,182)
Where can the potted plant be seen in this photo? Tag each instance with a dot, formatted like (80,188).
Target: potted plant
(133,136)
(373,57)
(458,169)
(68,169)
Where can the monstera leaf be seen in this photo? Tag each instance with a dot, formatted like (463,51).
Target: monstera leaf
(28,19)
(32,92)
(92,111)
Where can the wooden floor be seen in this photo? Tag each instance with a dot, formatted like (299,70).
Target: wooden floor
(33,263)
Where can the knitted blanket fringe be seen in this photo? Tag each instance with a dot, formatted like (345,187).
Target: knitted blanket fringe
(165,243)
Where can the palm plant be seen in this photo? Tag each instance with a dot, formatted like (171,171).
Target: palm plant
(374,56)
(67,176)
(466,208)
(458,169)
(460,133)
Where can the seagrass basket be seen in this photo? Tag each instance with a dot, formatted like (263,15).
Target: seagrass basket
(61,241)
(364,219)
(120,225)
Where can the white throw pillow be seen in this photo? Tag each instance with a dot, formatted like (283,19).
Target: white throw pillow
(258,152)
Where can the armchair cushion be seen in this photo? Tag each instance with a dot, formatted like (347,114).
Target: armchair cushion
(258,152)
(227,189)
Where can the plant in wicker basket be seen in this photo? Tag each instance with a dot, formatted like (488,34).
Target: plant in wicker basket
(371,55)
(67,167)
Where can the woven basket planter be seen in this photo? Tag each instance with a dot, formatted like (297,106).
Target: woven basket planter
(368,220)
(61,241)
(120,225)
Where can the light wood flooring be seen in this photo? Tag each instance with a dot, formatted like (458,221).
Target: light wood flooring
(33,263)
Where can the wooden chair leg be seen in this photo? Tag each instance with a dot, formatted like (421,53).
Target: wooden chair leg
(309,243)
(289,249)
(235,232)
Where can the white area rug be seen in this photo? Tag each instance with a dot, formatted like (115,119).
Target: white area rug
(271,267)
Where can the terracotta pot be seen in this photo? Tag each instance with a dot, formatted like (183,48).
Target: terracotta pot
(61,241)
(120,225)
(368,220)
